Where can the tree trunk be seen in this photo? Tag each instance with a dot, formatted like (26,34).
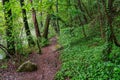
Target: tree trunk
(46,28)
(5,51)
(70,17)
(41,14)
(81,22)
(100,21)
(27,30)
(41,21)
(47,23)
(85,9)
(37,31)
(80,7)
(57,21)
(110,33)
(9,29)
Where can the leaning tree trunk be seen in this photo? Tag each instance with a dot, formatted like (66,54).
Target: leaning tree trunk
(100,21)
(3,48)
(70,17)
(37,31)
(81,8)
(86,10)
(109,32)
(47,23)
(41,21)
(27,30)
(9,29)
(46,28)
(57,21)
(41,14)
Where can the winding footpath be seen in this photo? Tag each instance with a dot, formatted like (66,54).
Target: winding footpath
(48,64)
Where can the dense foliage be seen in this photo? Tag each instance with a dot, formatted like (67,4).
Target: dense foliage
(82,58)
(88,31)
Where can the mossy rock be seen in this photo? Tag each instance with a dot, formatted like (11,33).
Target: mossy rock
(27,67)
(58,47)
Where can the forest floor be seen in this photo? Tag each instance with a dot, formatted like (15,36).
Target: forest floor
(48,64)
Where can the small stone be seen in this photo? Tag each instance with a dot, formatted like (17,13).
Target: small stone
(27,67)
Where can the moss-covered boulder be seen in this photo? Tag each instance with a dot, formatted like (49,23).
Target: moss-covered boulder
(58,47)
(27,67)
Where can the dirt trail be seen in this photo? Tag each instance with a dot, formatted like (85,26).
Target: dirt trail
(48,64)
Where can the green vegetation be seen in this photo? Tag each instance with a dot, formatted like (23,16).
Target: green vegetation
(82,58)
(88,33)
(4,66)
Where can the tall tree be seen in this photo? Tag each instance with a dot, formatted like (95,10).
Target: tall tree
(78,7)
(111,38)
(37,31)
(100,19)
(82,10)
(27,29)
(57,21)
(47,22)
(46,27)
(41,15)
(9,29)
(85,9)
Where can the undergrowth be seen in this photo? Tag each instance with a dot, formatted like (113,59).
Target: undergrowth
(81,58)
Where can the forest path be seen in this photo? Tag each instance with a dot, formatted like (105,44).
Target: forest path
(48,64)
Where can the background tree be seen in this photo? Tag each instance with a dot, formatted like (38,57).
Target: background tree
(57,21)
(111,38)
(47,21)
(27,30)
(9,29)
(37,31)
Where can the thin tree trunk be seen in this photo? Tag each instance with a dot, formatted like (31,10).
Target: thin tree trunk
(27,30)
(41,14)
(83,29)
(70,17)
(37,31)
(5,51)
(80,7)
(86,10)
(57,21)
(100,21)
(41,21)
(9,29)
(82,24)
(110,33)
(47,23)
(46,28)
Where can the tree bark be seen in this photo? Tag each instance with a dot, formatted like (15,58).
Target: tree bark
(110,33)
(81,22)
(57,21)
(85,9)
(37,31)
(70,16)
(9,29)
(100,21)
(81,8)
(41,14)
(5,50)
(46,28)
(27,30)
(47,23)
